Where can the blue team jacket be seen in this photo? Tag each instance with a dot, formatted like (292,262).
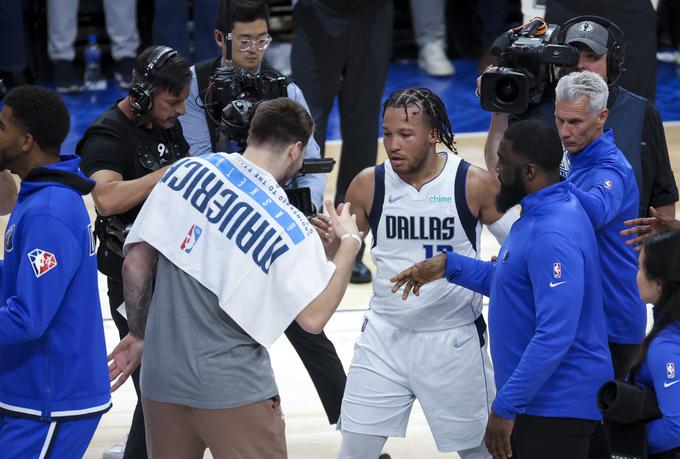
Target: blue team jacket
(661,371)
(546,319)
(52,350)
(604,182)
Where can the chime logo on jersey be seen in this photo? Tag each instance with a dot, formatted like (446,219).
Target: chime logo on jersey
(670,370)
(9,239)
(557,270)
(608,184)
(190,239)
(41,261)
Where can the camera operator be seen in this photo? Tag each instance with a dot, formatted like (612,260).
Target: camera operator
(126,151)
(636,123)
(251,38)
(207,380)
(250,28)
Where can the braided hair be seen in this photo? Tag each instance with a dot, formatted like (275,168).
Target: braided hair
(432,108)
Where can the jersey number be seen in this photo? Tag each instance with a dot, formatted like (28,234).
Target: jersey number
(430,249)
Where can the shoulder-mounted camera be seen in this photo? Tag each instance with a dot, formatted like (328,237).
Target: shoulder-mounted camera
(526,57)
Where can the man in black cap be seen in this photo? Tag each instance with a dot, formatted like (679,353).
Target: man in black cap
(637,126)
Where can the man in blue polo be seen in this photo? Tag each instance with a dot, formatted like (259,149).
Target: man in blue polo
(546,319)
(604,182)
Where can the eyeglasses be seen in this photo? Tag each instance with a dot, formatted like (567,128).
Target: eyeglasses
(260,44)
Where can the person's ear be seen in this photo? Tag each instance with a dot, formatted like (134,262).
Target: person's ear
(529,173)
(26,142)
(603,117)
(219,38)
(433,136)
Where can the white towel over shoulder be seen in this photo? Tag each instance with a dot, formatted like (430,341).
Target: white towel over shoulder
(228,224)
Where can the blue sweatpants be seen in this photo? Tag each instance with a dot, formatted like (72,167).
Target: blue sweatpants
(30,439)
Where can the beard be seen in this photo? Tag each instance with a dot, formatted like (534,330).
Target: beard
(511,193)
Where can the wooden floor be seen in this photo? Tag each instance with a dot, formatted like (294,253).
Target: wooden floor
(308,434)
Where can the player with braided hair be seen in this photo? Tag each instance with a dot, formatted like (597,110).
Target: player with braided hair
(429,347)
(433,107)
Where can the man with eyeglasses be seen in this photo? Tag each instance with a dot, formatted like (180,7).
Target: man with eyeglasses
(250,41)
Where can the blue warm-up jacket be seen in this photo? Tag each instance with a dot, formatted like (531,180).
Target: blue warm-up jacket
(52,351)
(546,319)
(661,372)
(604,182)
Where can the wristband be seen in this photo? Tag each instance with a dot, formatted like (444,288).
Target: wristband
(351,236)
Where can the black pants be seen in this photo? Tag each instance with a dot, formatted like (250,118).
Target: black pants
(622,356)
(316,352)
(343,48)
(536,437)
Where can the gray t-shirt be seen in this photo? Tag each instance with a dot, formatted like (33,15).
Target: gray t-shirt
(194,353)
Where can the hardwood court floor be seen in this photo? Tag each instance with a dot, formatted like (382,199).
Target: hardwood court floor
(308,434)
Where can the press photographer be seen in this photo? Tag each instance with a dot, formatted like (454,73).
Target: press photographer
(637,126)
(225,91)
(244,24)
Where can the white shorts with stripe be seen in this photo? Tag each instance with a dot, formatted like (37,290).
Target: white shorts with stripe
(447,371)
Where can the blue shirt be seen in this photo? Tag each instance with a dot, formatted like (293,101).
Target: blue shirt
(661,371)
(604,182)
(196,133)
(546,320)
(52,349)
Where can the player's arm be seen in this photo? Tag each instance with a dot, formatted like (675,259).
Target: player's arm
(558,308)
(48,259)
(602,197)
(481,189)
(642,228)
(8,192)
(317,313)
(499,123)
(112,195)
(458,269)
(360,195)
(138,272)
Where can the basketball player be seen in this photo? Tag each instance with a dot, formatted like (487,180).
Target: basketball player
(418,203)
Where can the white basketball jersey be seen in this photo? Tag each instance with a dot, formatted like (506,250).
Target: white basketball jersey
(409,225)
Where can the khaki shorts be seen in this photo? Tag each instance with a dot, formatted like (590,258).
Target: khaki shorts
(248,432)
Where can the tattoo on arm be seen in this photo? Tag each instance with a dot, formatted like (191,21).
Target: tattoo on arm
(137,302)
(138,276)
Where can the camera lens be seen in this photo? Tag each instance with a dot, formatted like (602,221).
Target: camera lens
(506,89)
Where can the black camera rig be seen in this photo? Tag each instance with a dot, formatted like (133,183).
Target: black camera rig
(526,56)
(233,95)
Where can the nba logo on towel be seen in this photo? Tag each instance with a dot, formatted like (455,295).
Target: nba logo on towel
(670,370)
(557,270)
(190,239)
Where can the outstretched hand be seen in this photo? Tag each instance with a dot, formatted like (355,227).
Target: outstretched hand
(419,274)
(642,228)
(124,360)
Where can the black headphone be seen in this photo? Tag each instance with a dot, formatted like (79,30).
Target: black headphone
(616,44)
(141,93)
